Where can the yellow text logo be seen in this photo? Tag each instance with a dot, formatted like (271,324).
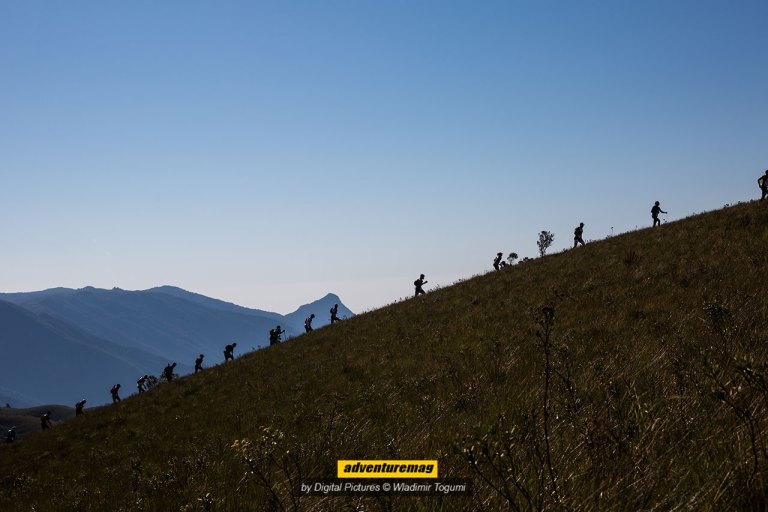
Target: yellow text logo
(387,469)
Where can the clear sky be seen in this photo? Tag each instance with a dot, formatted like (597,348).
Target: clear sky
(267,153)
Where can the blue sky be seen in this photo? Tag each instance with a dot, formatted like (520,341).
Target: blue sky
(266,153)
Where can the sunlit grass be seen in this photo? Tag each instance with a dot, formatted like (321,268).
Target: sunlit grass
(657,395)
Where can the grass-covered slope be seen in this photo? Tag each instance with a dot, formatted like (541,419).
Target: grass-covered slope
(631,374)
(27,420)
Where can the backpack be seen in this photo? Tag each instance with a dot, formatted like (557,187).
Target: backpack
(417,283)
(761,181)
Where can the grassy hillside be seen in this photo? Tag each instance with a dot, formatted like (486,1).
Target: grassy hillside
(27,420)
(631,374)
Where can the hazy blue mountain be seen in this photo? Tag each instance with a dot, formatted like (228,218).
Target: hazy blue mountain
(101,337)
(159,323)
(322,310)
(20,297)
(212,303)
(46,360)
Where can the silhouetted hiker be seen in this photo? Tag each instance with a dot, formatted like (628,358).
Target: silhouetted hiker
(335,314)
(10,436)
(762,182)
(199,363)
(496,261)
(168,372)
(308,323)
(274,335)
(140,383)
(229,351)
(655,211)
(114,391)
(45,420)
(418,284)
(79,407)
(577,235)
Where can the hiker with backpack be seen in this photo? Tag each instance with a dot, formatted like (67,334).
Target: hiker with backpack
(418,284)
(274,335)
(115,393)
(199,363)
(45,420)
(335,314)
(10,436)
(577,235)
(762,182)
(168,372)
(496,261)
(79,407)
(655,211)
(308,323)
(229,351)
(140,383)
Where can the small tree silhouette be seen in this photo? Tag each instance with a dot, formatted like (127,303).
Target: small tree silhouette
(512,257)
(545,241)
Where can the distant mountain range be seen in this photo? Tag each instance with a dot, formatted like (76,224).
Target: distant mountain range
(61,345)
